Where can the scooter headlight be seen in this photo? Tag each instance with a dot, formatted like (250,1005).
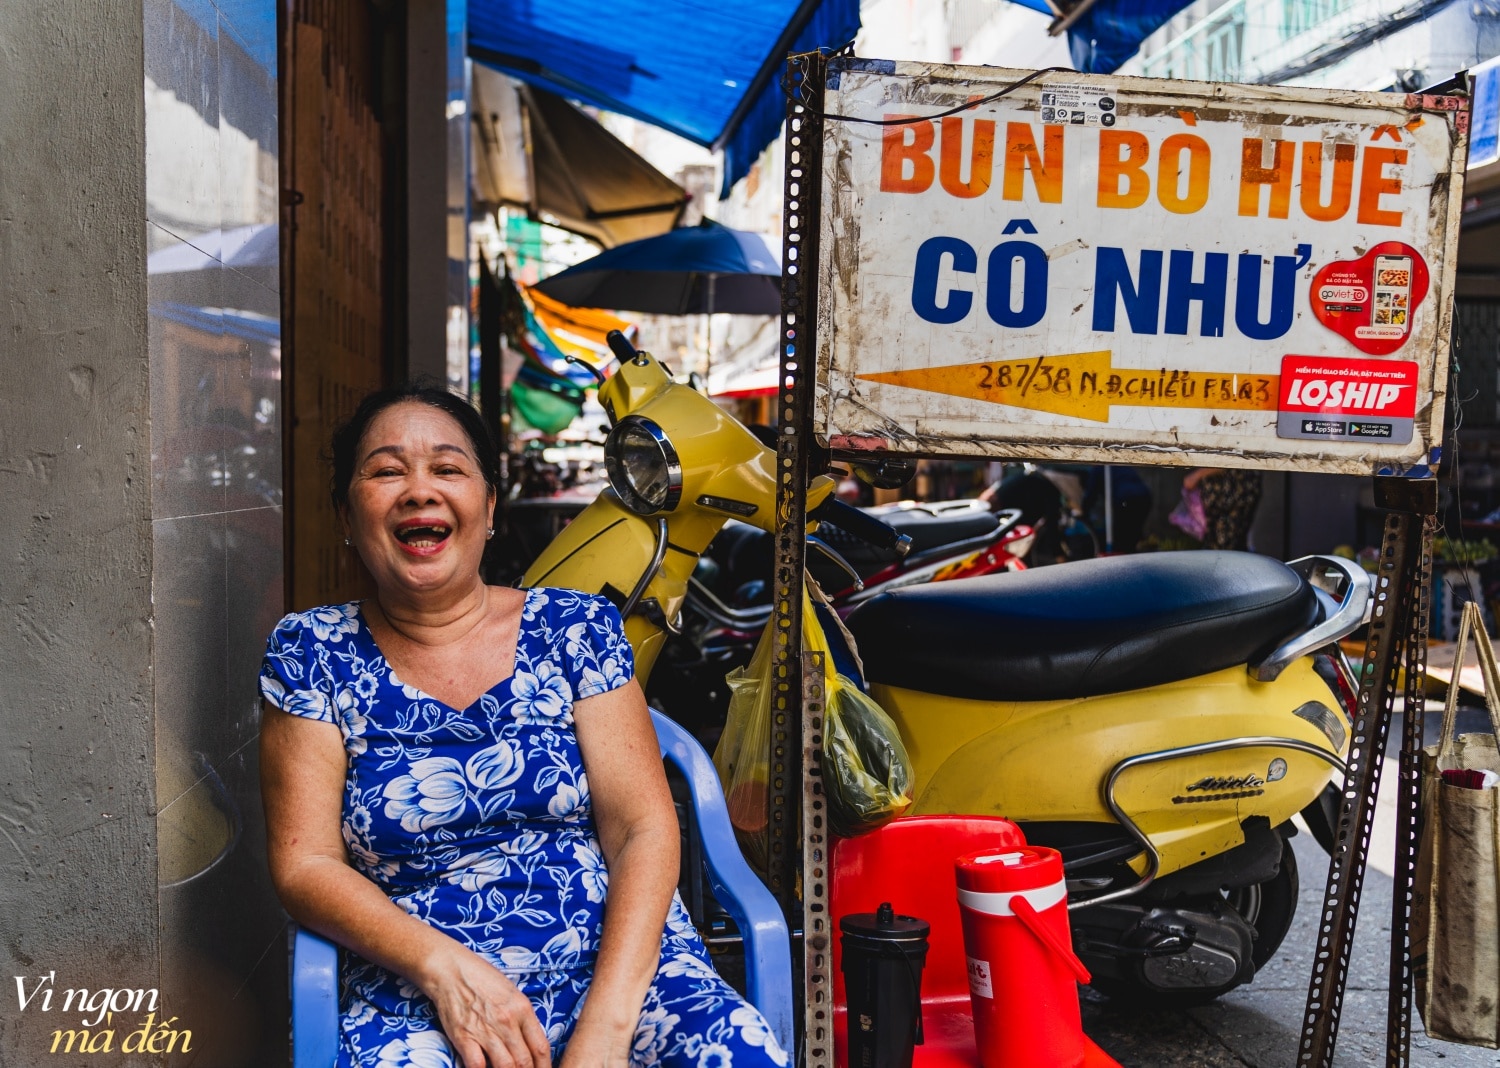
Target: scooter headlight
(643,467)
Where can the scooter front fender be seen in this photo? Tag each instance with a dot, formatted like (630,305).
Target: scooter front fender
(606,545)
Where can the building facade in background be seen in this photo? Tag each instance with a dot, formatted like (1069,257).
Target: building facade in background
(1372,45)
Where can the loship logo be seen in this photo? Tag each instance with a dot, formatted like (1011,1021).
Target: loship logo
(1347,400)
(1311,392)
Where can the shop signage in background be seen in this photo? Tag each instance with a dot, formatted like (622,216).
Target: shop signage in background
(1484,147)
(1141,271)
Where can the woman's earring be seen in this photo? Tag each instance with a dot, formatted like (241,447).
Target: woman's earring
(490,533)
(348,542)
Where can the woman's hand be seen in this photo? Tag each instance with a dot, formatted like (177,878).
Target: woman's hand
(1198,474)
(488,1021)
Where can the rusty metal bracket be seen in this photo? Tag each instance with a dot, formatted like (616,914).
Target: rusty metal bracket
(817,961)
(1397,636)
(1398,1012)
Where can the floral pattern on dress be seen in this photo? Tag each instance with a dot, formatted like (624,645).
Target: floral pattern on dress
(479,822)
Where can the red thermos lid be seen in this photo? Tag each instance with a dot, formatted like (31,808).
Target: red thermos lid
(1006,870)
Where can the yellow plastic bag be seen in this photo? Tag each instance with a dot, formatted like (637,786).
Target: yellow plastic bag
(866,771)
(743,754)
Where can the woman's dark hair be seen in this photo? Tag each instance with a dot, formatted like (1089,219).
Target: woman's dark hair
(346,437)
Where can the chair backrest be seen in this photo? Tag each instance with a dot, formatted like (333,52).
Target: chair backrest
(768,944)
(909,862)
(315,1001)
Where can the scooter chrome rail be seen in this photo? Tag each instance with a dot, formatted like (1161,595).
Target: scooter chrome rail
(1349,614)
(928,564)
(706,602)
(1153,858)
(650,573)
(1342,620)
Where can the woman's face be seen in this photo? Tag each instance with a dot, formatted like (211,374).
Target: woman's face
(419,509)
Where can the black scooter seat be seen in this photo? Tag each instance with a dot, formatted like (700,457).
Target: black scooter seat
(1084,628)
(928,528)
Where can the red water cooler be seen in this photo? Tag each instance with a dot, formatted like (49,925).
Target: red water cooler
(1022,969)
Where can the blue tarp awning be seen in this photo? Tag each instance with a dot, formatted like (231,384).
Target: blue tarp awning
(709,72)
(1111,31)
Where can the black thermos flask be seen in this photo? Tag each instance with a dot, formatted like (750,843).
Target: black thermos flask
(883,956)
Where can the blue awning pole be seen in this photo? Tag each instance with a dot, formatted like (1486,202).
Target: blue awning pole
(1065,21)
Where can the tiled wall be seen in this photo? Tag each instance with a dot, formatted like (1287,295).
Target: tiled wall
(213,291)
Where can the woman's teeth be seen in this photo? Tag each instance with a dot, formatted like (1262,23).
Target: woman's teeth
(423,537)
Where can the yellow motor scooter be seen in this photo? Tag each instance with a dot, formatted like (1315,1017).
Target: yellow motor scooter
(1159,718)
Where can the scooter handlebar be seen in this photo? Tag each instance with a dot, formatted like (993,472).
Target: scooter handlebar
(862,525)
(620,345)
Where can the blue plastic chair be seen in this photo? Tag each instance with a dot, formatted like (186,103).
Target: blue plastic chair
(768,948)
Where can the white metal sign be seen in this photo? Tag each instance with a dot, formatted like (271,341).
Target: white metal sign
(1135,270)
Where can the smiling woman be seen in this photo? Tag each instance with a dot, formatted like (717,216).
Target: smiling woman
(458,777)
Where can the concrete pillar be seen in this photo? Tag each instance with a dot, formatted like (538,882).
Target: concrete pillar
(78,878)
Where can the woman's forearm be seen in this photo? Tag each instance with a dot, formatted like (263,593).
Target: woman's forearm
(330,897)
(642,878)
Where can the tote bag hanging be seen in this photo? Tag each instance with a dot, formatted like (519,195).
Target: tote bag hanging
(1455,926)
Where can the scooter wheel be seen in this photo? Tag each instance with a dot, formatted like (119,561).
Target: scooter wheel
(1267,907)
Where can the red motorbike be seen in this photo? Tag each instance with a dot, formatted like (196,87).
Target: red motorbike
(729,596)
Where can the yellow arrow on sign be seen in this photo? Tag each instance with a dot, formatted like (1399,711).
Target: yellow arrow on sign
(1084,385)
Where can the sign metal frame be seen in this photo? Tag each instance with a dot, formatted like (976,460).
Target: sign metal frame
(800,877)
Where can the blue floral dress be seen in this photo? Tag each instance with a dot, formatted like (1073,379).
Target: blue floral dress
(478,821)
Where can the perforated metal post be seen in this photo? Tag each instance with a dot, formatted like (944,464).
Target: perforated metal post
(793,787)
(1397,628)
(1399,1006)
(799,256)
(818,935)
